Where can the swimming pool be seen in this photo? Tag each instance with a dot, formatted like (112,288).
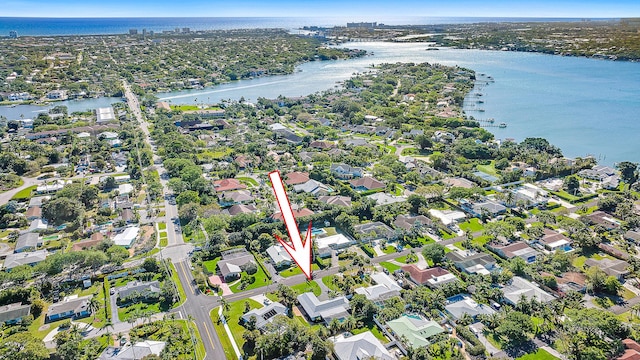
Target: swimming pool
(316,231)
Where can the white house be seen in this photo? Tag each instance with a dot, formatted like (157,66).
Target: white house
(127,237)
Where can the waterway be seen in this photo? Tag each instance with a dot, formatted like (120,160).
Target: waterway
(585,106)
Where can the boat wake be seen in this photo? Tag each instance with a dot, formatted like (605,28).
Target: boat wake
(220,90)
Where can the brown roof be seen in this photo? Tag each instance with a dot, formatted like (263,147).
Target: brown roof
(336,200)
(34,211)
(632,351)
(574,277)
(598,217)
(322,144)
(296,177)
(97,236)
(421,276)
(551,236)
(85,244)
(228,184)
(296,213)
(368,183)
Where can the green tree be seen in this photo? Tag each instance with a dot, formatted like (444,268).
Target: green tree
(572,184)
(628,172)
(515,327)
(434,252)
(186,197)
(23,346)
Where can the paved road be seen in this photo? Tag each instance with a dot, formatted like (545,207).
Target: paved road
(196,306)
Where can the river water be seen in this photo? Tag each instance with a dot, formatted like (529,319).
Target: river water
(585,106)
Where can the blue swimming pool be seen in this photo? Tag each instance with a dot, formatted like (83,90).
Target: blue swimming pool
(316,231)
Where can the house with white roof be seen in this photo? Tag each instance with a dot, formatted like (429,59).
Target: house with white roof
(313,187)
(385,287)
(448,217)
(467,305)
(519,288)
(127,237)
(333,242)
(136,351)
(265,315)
(279,256)
(25,258)
(316,310)
(359,347)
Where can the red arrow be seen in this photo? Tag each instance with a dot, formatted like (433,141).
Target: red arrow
(300,252)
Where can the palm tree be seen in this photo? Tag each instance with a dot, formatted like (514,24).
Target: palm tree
(94,306)
(334,326)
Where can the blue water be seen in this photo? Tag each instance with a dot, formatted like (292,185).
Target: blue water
(100,26)
(584,106)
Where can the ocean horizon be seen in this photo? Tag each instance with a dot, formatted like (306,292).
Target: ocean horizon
(40,26)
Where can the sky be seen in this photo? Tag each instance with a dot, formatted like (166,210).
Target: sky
(358,9)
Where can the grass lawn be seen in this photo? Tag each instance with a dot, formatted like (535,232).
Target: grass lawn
(481,240)
(295,270)
(137,310)
(164,241)
(371,326)
(331,231)
(24,193)
(261,280)
(389,266)
(222,335)
(389,249)
(176,280)
(247,181)
(473,225)
(538,355)
(459,245)
(210,265)
(489,169)
(306,287)
(193,107)
(445,235)
(494,340)
(328,282)
(162,226)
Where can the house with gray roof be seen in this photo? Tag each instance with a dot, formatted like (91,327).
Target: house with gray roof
(266,314)
(142,289)
(344,171)
(232,264)
(337,200)
(374,230)
(416,222)
(13,313)
(25,258)
(519,288)
(137,351)
(473,262)
(313,187)
(468,306)
(385,287)
(71,306)
(316,310)
(359,347)
(27,242)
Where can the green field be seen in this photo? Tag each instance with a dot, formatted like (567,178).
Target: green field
(24,193)
(472,225)
(176,280)
(139,310)
(295,270)
(307,286)
(210,265)
(163,239)
(389,266)
(538,355)
(162,226)
(261,280)
(489,169)
(247,181)
(233,315)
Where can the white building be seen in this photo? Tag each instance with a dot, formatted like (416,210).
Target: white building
(334,242)
(127,237)
(448,217)
(279,255)
(385,288)
(105,114)
(359,347)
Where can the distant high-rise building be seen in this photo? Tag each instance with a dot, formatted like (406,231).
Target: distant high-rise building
(186,30)
(133,31)
(144,32)
(151,33)
(13,34)
(177,31)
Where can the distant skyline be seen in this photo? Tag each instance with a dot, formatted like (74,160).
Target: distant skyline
(358,10)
